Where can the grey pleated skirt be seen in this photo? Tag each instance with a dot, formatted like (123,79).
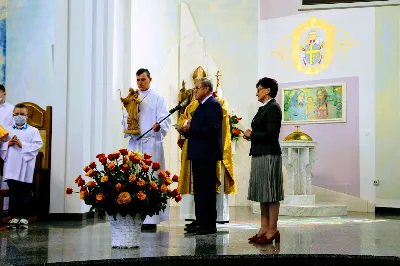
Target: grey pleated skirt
(266,179)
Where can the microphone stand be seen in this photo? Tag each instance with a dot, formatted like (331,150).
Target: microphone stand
(180,106)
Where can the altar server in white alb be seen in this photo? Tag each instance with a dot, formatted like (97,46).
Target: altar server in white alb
(19,154)
(152,109)
(6,121)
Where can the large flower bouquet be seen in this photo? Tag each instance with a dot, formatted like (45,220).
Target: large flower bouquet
(129,183)
(235,132)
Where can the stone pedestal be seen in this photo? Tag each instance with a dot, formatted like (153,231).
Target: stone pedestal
(299,158)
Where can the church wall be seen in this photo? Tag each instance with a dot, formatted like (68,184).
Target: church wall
(387,123)
(348,164)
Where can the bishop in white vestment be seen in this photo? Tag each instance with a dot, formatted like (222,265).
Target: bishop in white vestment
(19,154)
(152,109)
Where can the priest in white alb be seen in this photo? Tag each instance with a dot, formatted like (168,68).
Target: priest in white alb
(19,153)
(152,109)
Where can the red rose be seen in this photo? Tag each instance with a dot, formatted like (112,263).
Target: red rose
(175,193)
(147,162)
(168,173)
(125,167)
(100,155)
(103,160)
(86,169)
(81,182)
(116,155)
(92,165)
(175,178)
(68,190)
(91,184)
(238,118)
(83,188)
(111,157)
(125,159)
(178,198)
(124,152)
(118,186)
(146,156)
(156,166)
(77,179)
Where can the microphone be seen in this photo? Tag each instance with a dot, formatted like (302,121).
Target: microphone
(181,105)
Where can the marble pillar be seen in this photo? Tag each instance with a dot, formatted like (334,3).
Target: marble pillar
(299,158)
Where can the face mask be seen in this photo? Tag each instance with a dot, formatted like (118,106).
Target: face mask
(1,99)
(20,119)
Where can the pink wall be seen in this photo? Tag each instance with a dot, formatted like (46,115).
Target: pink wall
(337,167)
(270,9)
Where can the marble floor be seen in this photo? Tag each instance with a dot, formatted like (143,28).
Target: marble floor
(355,234)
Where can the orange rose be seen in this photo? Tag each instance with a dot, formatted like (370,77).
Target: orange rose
(111,166)
(125,167)
(147,162)
(77,179)
(156,166)
(163,188)
(124,198)
(145,168)
(178,198)
(236,131)
(141,195)
(141,183)
(132,178)
(134,159)
(91,184)
(118,186)
(92,165)
(153,185)
(99,197)
(68,190)
(83,194)
(104,179)
(168,173)
(162,174)
(89,173)
(146,156)
(175,178)
(238,118)
(124,152)
(167,181)
(86,169)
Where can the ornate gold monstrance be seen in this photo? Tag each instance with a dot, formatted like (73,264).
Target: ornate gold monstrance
(131,104)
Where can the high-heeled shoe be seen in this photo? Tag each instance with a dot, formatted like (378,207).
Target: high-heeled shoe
(265,240)
(255,237)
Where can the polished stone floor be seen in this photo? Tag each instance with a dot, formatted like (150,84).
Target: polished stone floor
(356,234)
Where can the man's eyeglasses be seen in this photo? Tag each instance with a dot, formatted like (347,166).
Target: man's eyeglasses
(198,88)
(260,88)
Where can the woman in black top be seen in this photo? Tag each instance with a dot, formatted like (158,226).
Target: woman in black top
(266,178)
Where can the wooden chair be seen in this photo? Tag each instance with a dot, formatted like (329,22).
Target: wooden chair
(42,120)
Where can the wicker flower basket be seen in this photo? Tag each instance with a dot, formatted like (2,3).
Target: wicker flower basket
(125,231)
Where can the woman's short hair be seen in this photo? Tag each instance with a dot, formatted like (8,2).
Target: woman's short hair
(269,83)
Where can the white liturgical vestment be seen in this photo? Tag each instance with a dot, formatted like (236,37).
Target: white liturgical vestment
(19,163)
(6,115)
(152,109)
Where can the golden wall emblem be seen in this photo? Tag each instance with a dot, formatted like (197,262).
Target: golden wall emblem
(315,44)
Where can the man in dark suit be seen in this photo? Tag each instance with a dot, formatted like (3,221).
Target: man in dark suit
(204,134)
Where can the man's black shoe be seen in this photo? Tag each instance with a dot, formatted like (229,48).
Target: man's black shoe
(205,231)
(191,225)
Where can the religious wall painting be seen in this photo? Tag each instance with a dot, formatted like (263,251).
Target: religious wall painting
(3,15)
(313,46)
(314,104)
